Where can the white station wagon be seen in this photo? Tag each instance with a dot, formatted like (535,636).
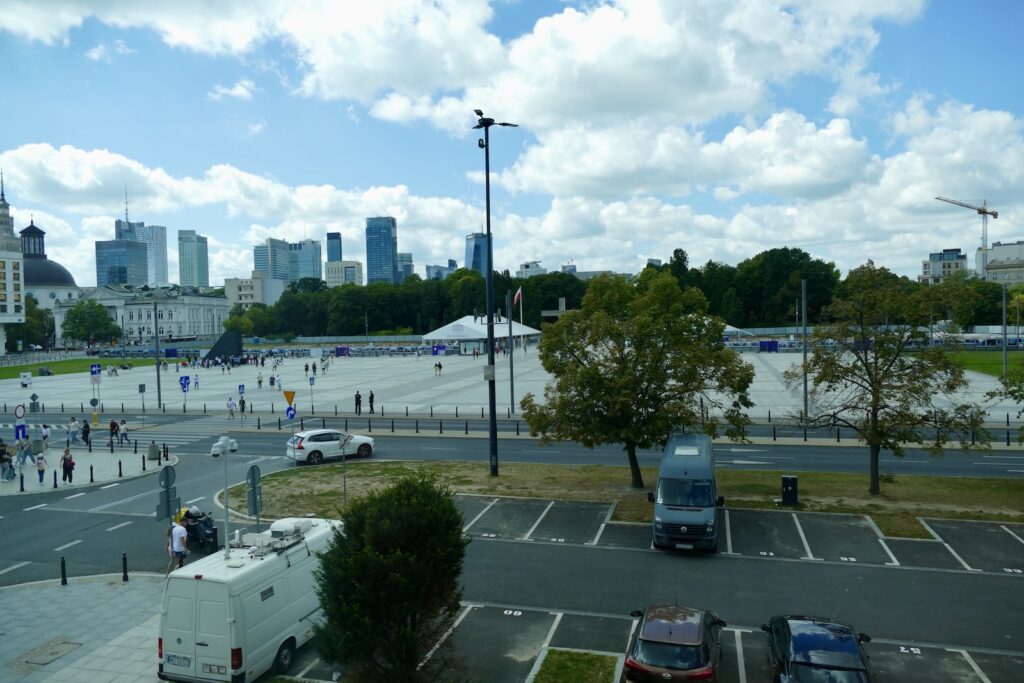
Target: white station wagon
(314,446)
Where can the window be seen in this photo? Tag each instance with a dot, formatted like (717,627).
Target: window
(160,314)
(15,265)
(17,308)
(3,308)
(17,276)
(53,295)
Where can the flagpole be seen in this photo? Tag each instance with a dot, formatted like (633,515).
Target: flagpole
(511,346)
(522,332)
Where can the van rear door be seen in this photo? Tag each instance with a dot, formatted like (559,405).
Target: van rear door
(179,624)
(212,643)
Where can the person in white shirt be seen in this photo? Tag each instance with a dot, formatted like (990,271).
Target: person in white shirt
(178,542)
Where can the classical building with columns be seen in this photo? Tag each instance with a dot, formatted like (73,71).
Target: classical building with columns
(12,301)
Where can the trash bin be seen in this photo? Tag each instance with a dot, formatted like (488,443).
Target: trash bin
(790,490)
(153,453)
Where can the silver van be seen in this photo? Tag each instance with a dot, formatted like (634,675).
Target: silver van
(686,497)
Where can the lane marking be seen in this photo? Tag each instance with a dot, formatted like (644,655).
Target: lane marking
(35,507)
(1011,533)
(66,545)
(444,636)
(466,528)
(118,526)
(302,674)
(948,546)
(728,534)
(537,523)
(973,665)
(195,500)
(13,567)
(129,499)
(74,496)
(739,658)
(110,486)
(895,562)
(807,547)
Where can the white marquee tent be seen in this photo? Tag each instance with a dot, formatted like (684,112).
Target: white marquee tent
(474,329)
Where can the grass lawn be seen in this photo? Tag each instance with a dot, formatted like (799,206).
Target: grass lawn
(989,362)
(561,666)
(317,490)
(67,367)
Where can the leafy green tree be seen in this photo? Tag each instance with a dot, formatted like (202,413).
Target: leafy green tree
(769,285)
(636,363)
(88,320)
(36,329)
(239,323)
(389,583)
(307,285)
(873,371)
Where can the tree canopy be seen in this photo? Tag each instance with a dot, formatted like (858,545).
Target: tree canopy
(389,583)
(639,361)
(88,321)
(874,371)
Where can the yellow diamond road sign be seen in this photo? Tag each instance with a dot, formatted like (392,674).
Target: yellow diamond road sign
(289,396)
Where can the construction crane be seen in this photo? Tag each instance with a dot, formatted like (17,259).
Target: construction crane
(984,212)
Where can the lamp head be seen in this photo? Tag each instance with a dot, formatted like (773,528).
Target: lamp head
(478,112)
(481,144)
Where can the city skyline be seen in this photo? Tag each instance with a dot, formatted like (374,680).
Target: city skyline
(721,128)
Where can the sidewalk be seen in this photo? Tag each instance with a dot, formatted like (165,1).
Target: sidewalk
(96,628)
(124,463)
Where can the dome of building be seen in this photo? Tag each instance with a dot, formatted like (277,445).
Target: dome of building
(39,270)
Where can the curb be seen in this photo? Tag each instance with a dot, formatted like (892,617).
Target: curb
(172,460)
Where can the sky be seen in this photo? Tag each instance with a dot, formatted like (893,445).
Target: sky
(724,128)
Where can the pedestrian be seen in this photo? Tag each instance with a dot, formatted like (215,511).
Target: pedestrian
(73,427)
(25,452)
(371,401)
(86,431)
(307,369)
(435,369)
(259,381)
(114,427)
(7,469)
(359,403)
(314,369)
(122,432)
(241,405)
(440,368)
(44,433)
(231,408)
(271,380)
(41,467)
(67,466)
(195,381)
(179,544)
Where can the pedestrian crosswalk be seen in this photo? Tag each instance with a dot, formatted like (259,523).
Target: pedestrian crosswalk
(185,432)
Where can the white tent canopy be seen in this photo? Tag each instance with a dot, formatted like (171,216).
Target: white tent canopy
(469,328)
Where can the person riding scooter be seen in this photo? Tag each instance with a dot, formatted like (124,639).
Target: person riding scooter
(200,529)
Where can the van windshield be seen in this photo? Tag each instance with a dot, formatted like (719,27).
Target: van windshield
(697,493)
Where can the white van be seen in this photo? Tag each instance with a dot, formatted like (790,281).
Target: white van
(232,619)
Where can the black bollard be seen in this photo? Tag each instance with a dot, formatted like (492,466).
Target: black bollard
(63,572)
(278,424)
(1007,437)
(136,446)
(164,407)
(481,412)
(406,410)
(271,407)
(382,411)
(62,407)
(440,426)
(323,423)
(124,567)
(119,473)
(183,407)
(431,411)
(335,410)
(456,411)
(44,407)
(90,445)
(55,479)
(302,424)
(111,443)
(467,427)
(312,409)
(122,407)
(22,482)
(81,407)
(805,433)
(90,474)
(369,425)
(257,424)
(417,431)
(204,409)
(167,453)
(143,463)
(508,413)
(1007,419)
(837,434)
(346,424)
(517,427)
(773,433)
(392,425)
(769,416)
(101,408)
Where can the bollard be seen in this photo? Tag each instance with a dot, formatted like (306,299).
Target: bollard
(55,479)
(22,482)
(972,437)
(323,423)
(62,407)
(417,431)
(143,464)
(431,411)
(769,416)
(837,434)
(382,411)
(467,427)
(481,412)
(204,409)
(119,473)
(136,445)
(440,426)
(335,410)
(44,407)
(111,443)
(278,424)
(257,424)
(302,424)
(508,413)
(346,424)
(456,411)
(406,410)
(90,474)
(164,407)
(101,408)
(90,444)
(805,433)
(167,453)
(124,567)
(1007,419)
(81,407)
(63,572)
(392,425)
(122,407)
(517,427)
(773,433)
(183,407)
(1007,438)
(271,407)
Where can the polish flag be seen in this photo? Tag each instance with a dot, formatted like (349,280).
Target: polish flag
(518,296)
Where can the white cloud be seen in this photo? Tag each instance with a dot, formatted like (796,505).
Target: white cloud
(241,90)
(101,52)
(254,129)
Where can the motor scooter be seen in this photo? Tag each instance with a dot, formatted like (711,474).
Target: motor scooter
(202,533)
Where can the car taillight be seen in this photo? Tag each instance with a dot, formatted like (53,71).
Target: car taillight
(705,674)
(160,649)
(298,445)
(236,658)
(634,665)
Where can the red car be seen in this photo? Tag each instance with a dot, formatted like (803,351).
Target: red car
(674,643)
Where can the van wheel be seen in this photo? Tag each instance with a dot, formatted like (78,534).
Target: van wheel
(285,657)
(315,458)
(365,451)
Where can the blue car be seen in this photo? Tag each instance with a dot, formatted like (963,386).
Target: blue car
(812,650)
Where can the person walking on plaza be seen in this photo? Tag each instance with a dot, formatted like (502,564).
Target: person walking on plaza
(41,468)
(231,408)
(67,466)
(370,397)
(271,380)
(25,452)
(7,469)
(44,434)
(122,432)
(241,404)
(259,381)
(73,427)
(195,381)
(307,369)
(359,403)
(114,427)
(86,431)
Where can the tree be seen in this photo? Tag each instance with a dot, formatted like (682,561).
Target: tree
(873,370)
(307,285)
(88,320)
(389,583)
(636,363)
(35,330)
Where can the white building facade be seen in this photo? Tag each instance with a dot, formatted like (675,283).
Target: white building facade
(337,273)
(12,304)
(258,289)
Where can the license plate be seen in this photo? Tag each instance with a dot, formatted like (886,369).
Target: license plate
(684,546)
(178,660)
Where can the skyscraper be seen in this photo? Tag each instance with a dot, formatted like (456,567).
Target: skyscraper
(271,258)
(405,265)
(304,260)
(155,239)
(441,272)
(476,252)
(381,249)
(193,259)
(121,262)
(333,247)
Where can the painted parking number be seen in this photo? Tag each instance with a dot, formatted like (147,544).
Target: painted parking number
(1013,570)
(764,554)
(848,559)
(558,540)
(910,650)
(513,613)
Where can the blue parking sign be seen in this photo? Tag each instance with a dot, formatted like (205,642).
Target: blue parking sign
(94,369)
(20,432)
(184,381)
(241,389)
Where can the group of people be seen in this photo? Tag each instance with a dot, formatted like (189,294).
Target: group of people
(359,402)
(8,469)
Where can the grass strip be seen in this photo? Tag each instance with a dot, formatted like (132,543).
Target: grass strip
(318,490)
(988,362)
(563,666)
(68,367)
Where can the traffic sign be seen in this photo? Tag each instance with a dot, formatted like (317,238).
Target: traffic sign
(95,379)
(19,411)
(183,381)
(167,476)
(20,431)
(142,388)
(289,412)
(34,396)
(241,389)
(311,381)
(94,402)
(94,369)
(289,396)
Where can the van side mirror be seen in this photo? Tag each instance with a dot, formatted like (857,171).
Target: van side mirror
(650,496)
(636,614)
(864,638)
(720,502)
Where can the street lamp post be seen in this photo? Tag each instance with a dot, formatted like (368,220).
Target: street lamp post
(222,447)
(485,145)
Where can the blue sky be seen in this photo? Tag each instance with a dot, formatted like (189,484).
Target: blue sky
(722,128)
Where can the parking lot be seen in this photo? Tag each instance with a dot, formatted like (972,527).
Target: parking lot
(507,643)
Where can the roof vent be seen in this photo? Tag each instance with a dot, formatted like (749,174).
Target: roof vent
(686,450)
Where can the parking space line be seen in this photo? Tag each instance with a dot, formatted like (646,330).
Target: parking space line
(973,664)
(302,674)
(895,562)
(66,545)
(551,631)
(13,567)
(600,529)
(948,546)
(1011,533)
(807,547)
(739,658)
(444,636)
(874,527)
(533,528)
(466,528)
(118,526)
(728,535)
